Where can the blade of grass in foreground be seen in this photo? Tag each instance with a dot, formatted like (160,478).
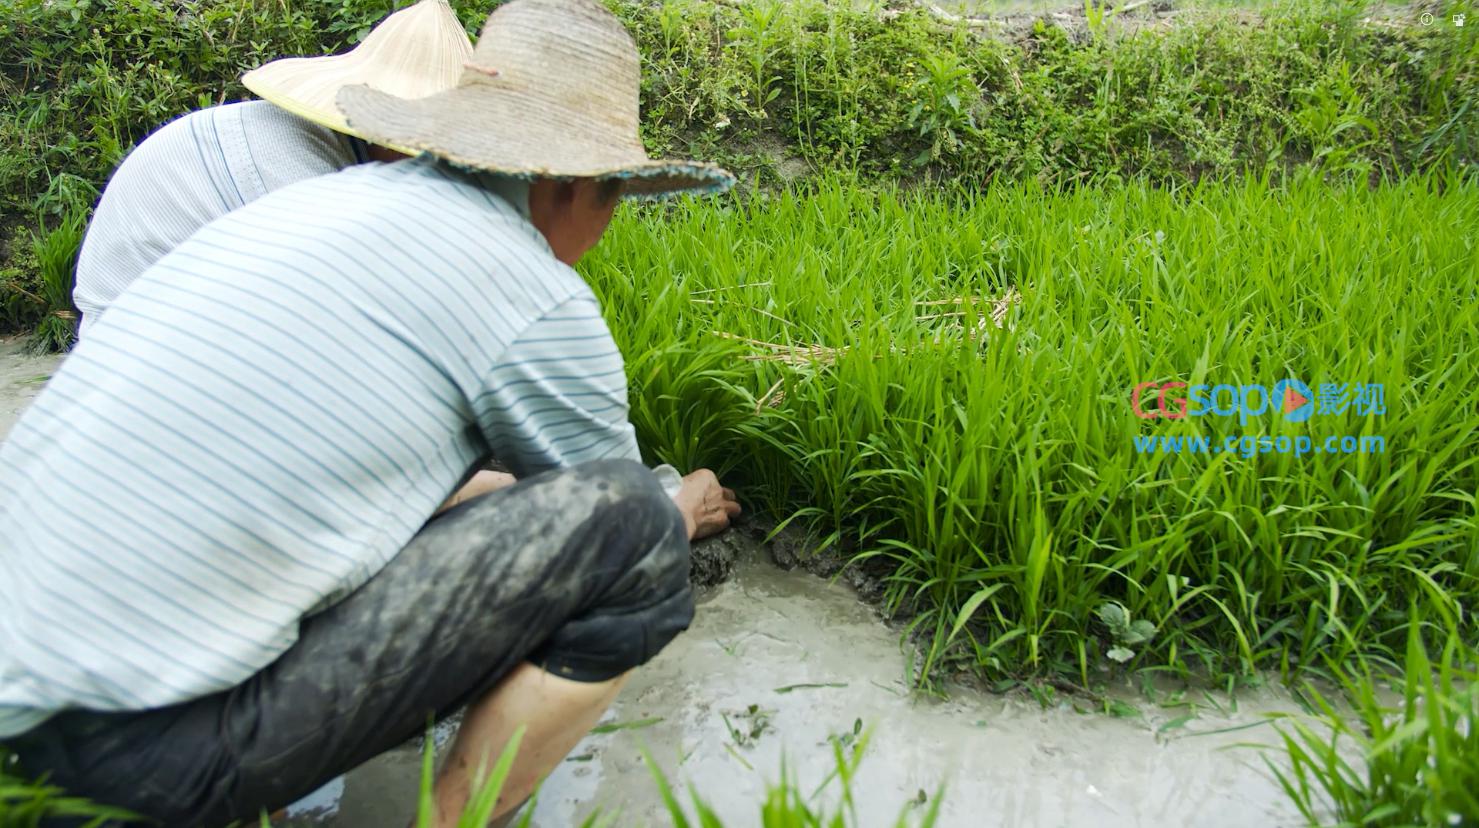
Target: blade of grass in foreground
(1414,764)
(786,806)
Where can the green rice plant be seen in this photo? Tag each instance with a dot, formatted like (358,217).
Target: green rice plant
(1417,761)
(25,803)
(786,805)
(56,256)
(938,383)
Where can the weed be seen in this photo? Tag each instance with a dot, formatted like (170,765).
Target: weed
(1124,632)
(638,724)
(753,723)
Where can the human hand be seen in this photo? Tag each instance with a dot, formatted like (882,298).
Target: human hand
(707,507)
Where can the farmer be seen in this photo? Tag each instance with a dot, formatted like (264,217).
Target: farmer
(224,580)
(202,166)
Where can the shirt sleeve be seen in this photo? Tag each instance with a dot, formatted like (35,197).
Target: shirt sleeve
(558,396)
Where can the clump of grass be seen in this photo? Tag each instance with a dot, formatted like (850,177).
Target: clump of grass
(1418,760)
(786,805)
(988,473)
(56,257)
(26,803)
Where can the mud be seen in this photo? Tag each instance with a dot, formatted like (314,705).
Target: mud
(792,548)
(778,664)
(22,376)
(712,560)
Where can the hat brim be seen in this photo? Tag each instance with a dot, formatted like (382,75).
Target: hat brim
(277,81)
(517,133)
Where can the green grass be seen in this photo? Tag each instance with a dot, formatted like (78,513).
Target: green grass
(1417,759)
(783,90)
(24,803)
(988,474)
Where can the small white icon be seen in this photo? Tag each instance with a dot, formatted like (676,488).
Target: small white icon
(1426,19)
(1458,19)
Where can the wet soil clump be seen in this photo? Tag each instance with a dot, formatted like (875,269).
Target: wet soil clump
(711,561)
(793,548)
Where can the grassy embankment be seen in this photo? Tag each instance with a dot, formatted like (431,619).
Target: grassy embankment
(783,90)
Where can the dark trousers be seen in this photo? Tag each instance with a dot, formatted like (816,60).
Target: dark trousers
(583,572)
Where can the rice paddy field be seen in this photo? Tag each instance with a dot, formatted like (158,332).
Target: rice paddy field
(950,391)
(1101,346)
(940,385)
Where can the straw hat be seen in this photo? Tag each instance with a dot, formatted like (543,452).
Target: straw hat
(413,53)
(551,91)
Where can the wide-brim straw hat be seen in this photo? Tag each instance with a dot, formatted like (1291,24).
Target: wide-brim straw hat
(418,51)
(551,91)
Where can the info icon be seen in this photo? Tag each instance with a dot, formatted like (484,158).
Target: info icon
(1426,19)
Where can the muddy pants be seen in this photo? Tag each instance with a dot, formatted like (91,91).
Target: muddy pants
(583,572)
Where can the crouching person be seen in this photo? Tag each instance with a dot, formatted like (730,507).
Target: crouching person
(227,578)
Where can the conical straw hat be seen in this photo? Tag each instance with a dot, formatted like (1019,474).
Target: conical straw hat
(415,52)
(551,91)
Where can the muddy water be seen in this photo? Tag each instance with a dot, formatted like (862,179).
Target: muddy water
(1004,761)
(21,379)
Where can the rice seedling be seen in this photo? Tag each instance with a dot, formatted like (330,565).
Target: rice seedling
(940,385)
(25,803)
(1418,759)
(786,804)
(56,253)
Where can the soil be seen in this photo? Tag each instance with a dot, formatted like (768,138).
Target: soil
(22,375)
(712,560)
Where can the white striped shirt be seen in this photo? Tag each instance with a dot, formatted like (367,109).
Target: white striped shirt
(266,417)
(189,173)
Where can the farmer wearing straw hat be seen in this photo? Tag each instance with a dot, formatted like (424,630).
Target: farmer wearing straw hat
(201,166)
(226,577)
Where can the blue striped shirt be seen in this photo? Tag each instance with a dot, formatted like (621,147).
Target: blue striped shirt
(266,417)
(189,173)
